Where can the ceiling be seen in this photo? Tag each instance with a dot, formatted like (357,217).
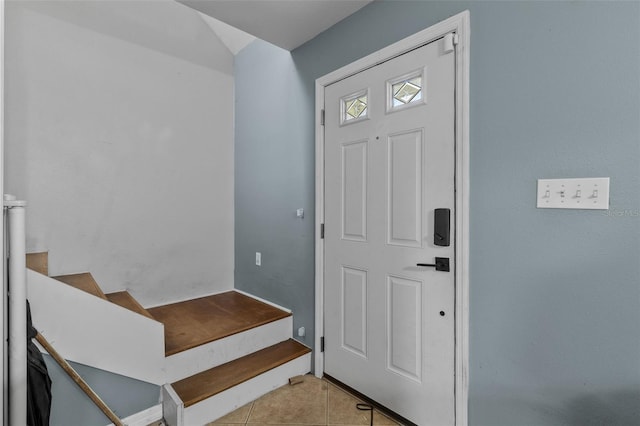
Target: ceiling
(285,23)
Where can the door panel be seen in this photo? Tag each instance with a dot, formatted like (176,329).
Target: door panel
(354,310)
(404,327)
(354,191)
(389,163)
(405,189)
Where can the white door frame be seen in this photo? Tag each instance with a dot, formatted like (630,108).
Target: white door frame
(460,25)
(4,373)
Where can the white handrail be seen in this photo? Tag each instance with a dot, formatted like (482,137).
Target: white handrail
(17,310)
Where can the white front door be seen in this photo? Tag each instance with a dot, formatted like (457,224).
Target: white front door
(389,164)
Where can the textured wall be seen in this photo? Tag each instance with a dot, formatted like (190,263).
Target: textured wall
(555,295)
(119,134)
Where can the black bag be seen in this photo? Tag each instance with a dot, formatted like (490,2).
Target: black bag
(38,381)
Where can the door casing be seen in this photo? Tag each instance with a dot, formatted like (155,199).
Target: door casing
(459,24)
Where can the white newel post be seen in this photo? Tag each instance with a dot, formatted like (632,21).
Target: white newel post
(17,310)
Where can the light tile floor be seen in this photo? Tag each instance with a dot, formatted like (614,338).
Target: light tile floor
(312,402)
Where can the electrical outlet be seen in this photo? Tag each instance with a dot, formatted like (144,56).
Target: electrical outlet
(258,258)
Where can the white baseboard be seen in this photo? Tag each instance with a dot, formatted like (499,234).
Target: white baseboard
(260,299)
(143,418)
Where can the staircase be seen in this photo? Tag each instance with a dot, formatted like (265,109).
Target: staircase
(220,352)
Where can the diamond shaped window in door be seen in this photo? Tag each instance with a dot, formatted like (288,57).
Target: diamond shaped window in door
(354,107)
(404,91)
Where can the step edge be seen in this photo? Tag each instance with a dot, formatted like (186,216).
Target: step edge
(221,404)
(212,355)
(303,350)
(233,333)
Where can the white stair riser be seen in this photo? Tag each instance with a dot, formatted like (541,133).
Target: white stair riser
(225,402)
(193,361)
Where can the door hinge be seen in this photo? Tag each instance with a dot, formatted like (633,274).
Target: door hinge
(322,344)
(322,117)
(322,231)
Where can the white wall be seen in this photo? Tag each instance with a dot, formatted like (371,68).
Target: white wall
(119,134)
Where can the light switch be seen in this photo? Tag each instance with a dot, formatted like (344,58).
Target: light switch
(582,193)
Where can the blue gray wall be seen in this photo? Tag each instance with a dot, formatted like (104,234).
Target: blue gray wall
(555,295)
(71,407)
(274,176)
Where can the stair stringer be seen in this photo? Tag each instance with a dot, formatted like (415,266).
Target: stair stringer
(95,332)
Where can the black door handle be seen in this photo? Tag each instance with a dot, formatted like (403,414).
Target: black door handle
(442,264)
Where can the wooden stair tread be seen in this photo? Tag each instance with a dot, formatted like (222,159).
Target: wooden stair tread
(126,300)
(83,281)
(218,379)
(199,321)
(38,262)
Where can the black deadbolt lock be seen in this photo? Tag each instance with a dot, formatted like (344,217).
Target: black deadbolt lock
(441,227)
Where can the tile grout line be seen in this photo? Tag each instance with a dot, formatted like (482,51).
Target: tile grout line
(326,413)
(246,421)
(329,389)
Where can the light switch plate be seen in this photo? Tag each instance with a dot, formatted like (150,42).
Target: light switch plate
(582,193)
